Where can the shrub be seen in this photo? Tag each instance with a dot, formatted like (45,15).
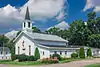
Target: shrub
(81,53)
(31,58)
(89,52)
(63,58)
(14,57)
(37,54)
(22,58)
(57,56)
(74,55)
(49,60)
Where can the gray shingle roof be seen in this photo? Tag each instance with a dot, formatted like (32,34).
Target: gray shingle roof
(40,36)
(5,49)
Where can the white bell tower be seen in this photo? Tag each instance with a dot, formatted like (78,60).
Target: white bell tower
(27,24)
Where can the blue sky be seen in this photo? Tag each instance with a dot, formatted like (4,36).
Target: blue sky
(77,11)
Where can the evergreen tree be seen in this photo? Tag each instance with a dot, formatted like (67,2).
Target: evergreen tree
(82,53)
(37,54)
(89,52)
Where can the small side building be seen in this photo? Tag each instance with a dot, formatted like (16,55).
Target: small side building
(5,53)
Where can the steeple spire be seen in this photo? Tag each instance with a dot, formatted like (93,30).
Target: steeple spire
(27,16)
(27,24)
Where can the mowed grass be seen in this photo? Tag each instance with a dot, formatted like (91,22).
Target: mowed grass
(93,65)
(36,62)
(20,63)
(9,62)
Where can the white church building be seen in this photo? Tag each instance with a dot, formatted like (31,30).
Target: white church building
(27,41)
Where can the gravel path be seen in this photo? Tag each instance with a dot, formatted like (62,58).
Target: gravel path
(81,63)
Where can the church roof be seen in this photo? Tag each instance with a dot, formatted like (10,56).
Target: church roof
(27,16)
(39,36)
(43,37)
(62,48)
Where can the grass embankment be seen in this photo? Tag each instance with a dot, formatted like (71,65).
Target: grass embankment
(93,65)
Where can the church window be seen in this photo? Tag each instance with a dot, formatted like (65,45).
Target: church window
(18,50)
(29,24)
(60,53)
(23,48)
(55,52)
(43,52)
(1,52)
(23,43)
(6,52)
(24,24)
(65,52)
(29,50)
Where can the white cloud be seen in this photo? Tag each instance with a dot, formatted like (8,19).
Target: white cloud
(11,17)
(97,9)
(62,25)
(92,4)
(61,16)
(89,4)
(42,9)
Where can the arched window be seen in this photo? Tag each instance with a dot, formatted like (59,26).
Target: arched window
(18,50)
(29,50)
(29,24)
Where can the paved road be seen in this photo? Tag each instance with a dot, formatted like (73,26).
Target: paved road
(81,63)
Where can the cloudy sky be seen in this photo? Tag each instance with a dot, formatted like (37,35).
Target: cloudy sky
(45,13)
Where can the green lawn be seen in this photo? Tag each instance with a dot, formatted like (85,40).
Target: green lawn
(35,62)
(20,63)
(28,62)
(93,65)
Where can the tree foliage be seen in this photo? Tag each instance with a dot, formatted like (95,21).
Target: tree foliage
(35,29)
(94,40)
(3,41)
(78,33)
(57,31)
(53,31)
(91,15)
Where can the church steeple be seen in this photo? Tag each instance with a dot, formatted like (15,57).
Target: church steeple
(27,16)
(27,24)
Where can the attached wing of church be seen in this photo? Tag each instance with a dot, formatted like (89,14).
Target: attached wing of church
(27,41)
